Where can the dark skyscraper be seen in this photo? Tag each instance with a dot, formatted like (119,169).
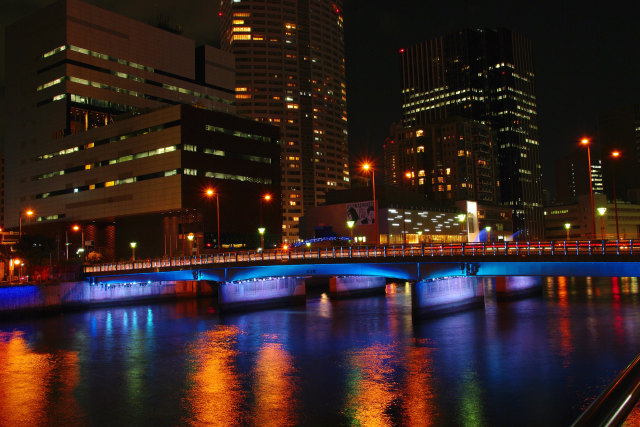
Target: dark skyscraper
(291,73)
(486,75)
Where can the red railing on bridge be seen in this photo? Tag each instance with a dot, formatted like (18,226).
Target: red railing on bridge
(555,248)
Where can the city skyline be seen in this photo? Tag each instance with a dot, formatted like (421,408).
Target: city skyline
(582,58)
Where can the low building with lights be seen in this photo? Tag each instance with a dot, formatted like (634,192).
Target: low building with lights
(574,222)
(350,213)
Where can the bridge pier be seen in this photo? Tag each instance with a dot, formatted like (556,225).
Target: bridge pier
(352,286)
(514,287)
(441,296)
(262,293)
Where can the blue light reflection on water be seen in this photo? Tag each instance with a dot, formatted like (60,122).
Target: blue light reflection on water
(364,361)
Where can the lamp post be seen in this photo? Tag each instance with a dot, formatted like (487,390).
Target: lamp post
(488,228)
(261,231)
(567,226)
(406,175)
(133,250)
(76,227)
(266,198)
(190,238)
(210,193)
(419,236)
(350,224)
(587,142)
(614,155)
(367,167)
(28,213)
(601,212)
(461,219)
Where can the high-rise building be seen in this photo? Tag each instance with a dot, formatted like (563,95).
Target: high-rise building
(485,75)
(572,178)
(291,73)
(448,160)
(100,134)
(619,129)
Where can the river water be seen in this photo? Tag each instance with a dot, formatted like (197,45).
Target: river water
(536,361)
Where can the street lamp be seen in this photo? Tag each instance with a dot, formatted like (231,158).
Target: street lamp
(406,175)
(28,213)
(133,250)
(567,226)
(587,142)
(367,167)
(261,231)
(488,228)
(614,155)
(210,193)
(601,212)
(76,227)
(419,236)
(190,238)
(461,219)
(350,224)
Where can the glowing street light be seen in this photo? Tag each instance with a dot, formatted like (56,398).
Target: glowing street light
(210,193)
(488,228)
(28,213)
(567,226)
(407,175)
(461,219)
(261,230)
(350,224)
(601,212)
(77,228)
(614,155)
(587,142)
(367,167)
(133,250)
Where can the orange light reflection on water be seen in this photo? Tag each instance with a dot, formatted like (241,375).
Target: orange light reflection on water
(419,406)
(216,396)
(275,390)
(371,386)
(26,382)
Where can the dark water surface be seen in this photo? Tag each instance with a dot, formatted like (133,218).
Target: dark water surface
(538,361)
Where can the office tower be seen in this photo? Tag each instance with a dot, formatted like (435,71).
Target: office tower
(291,73)
(448,160)
(619,129)
(572,178)
(100,134)
(487,76)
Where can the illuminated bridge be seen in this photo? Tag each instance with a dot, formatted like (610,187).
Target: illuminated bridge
(443,275)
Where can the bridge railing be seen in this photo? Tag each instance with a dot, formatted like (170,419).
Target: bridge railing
(479,249)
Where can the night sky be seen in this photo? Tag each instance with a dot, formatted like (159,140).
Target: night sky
(586,53)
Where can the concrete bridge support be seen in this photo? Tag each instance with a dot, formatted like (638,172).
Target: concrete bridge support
(262,293)
(514,287)
(351,286)
(441,296)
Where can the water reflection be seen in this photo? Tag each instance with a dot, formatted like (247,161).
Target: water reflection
(216,396)
(419,407)
(276,391)
(36,388)
(371,387)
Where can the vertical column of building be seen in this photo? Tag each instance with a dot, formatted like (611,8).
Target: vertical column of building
(290,73)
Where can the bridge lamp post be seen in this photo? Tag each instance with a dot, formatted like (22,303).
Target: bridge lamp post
(461,218)
(190,238)
(350,224)
(614,155)
(28,213)
(567,226)
(419,236)
(210,193)
(406,175)
(133,250)
(77,228)
(488,228)
(587,142)
(261,230)
(367,167)
(601,212)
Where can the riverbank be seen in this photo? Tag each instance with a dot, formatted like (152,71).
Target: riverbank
(62,296)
